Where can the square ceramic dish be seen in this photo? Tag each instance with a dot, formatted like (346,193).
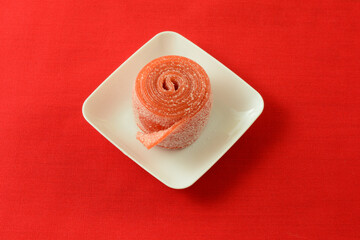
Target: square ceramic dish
(236,105)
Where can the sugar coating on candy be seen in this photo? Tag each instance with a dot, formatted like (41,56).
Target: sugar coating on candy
(171,101)
(154,138)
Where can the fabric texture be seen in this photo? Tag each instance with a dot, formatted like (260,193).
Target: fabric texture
(295,174)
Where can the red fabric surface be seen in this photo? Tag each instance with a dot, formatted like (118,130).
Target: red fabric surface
(293,175)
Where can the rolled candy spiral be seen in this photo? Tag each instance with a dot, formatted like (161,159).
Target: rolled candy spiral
(171,101)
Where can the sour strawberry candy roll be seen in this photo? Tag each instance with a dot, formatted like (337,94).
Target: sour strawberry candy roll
(172,101)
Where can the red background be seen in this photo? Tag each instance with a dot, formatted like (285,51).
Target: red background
(293,175)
